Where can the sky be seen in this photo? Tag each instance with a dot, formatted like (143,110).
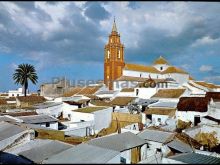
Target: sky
(67,38)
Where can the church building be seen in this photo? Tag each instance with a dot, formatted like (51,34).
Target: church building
(115,68)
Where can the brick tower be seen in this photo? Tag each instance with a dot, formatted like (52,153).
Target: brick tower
(114,58)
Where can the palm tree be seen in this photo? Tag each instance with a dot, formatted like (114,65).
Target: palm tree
(23,73)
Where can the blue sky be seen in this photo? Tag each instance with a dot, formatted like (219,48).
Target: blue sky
(68,38)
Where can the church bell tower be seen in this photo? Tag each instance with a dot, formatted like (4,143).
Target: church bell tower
(113,58)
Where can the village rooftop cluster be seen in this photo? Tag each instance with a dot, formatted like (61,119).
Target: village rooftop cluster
(162,115)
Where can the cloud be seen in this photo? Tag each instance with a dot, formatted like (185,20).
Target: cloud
(95,11)
(206,68)
(206,40)
(68,33)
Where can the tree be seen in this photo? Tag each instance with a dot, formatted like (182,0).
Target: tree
(207,139)
(23,73)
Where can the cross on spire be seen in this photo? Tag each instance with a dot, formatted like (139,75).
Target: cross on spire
(114,28)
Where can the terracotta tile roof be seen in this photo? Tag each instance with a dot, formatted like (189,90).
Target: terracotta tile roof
(161,111)
(207,85)
(122,101)
(194,86)
(11,99)
(3,102)
(197,104)
(127,90)
(169,93)
(31,99)
(4,94)
(100,103)
(160,60)
(72,91)
(89,90)
(142,68)
(173,69)
(213,95)
(90,109)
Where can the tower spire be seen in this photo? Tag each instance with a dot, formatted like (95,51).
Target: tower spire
(114,28)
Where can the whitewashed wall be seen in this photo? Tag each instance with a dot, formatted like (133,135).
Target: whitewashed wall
(145,93)
(214,109)
(155,118)
(53,125)
(68,109)
(180,78)
(53,111)
(78,116)
(14,93)
(102,119)
(189,115)
(127,155)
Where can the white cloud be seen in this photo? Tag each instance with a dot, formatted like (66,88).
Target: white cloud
(206,68)
(171,17)
(206,40)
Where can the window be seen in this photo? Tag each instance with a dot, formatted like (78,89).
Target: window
(69,116)
(17,94)
(140,74)
(137,91)
(161,68)
(123,160)
(159,119)
(47,124)
(12,94)
(108,54)
(122,106)
(119,55)
(158,150)
(134,127)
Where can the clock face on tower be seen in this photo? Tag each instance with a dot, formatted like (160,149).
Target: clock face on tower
(114,61)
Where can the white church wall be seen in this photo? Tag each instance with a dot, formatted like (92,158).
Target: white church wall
(140,74)
(180,78)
